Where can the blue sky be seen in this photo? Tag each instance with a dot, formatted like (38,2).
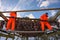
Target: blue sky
(10,5)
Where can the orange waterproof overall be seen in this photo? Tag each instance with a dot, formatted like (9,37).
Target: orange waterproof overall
(11,21)
(44,17)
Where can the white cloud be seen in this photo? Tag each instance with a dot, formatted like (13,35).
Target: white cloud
(53,1)
(30,16)
(44,4)
(53,12)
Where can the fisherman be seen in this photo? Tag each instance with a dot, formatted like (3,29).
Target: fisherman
(11,21)
(44,21)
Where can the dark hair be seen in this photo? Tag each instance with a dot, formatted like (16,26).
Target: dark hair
(46,13)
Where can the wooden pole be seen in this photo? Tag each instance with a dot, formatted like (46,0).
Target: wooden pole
(29,31)
(32,10)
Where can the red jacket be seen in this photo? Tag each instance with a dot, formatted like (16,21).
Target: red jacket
(44,17)
(13,14)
